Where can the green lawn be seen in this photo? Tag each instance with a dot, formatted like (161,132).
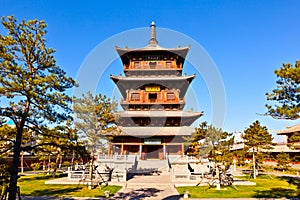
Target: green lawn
(266,187)
(34,185)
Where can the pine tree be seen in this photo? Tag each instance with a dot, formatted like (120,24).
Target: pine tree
(94,118)
(210,142)
(257,137)
(31,82)
(6,139)
(55,142)
(219,143)
(294,140)
(287,93)
(4,172)
(192,142)
(283,161)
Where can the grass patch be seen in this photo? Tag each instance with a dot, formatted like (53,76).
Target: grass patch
(34,185)
(266,187)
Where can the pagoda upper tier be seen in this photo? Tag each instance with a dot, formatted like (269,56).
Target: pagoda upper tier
(153,59)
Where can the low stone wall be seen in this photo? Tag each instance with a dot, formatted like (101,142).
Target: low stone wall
(84,175)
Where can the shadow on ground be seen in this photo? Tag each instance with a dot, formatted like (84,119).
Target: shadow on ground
(138,194)
(53,192)
(57,198)
(276,193)
(45,177)
(173,197)
(279,192)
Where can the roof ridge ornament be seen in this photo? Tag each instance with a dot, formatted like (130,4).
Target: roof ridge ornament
(153,41)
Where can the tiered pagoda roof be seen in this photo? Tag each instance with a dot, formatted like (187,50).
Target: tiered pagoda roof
(158,113)
(125,52)
(155,131)
(183,118)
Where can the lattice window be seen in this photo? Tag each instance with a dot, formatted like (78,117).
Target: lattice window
(169,64)
(170,96)
(137,65)
(159,96)
(135,96)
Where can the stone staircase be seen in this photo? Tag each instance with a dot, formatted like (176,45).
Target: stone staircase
(146,184)
(152,166)
(151,187)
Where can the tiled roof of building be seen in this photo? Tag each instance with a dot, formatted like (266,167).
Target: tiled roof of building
(291,129)
(280,148)
(275,148)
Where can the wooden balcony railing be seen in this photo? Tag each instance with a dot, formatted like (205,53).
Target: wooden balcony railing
(156,101)
(152,65)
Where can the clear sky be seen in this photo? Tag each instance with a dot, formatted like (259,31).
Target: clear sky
(247,41)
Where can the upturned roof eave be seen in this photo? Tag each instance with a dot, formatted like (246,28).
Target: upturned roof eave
(155,131)
(165,78)
(181,51)
(182,114)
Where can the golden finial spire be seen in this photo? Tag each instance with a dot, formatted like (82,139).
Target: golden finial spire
(153,40)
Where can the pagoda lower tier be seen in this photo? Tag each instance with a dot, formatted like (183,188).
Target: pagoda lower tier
(150,142)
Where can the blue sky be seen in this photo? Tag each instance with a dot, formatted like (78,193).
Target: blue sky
(247,41)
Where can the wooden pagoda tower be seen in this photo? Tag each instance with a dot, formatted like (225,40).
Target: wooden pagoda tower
(153,122)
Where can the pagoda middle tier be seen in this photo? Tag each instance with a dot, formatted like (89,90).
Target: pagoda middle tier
(155,83)
(157,118)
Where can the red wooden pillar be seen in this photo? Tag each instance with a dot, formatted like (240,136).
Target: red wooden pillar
(122,148)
